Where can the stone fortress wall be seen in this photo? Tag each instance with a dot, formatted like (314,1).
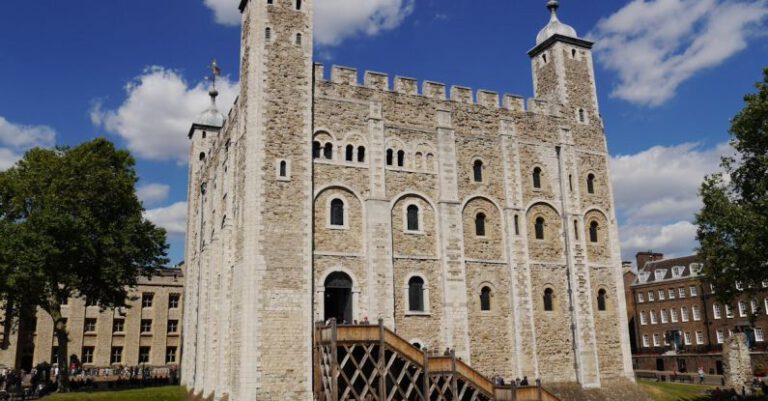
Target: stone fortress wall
(261,242)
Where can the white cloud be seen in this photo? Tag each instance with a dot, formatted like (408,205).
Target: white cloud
(152,194)
(173,218)
(656,194)
(17,138)
(158,111)
(656,45)
(335,20)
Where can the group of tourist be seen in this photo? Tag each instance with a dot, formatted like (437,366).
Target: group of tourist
(498,381)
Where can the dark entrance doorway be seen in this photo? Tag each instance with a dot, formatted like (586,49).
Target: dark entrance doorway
(660,364)
(719,367)
(338,297)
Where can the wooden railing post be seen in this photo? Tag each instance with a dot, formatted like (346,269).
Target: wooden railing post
(454,380)
(382,365)
(426,382)
(334,363)
(538,385)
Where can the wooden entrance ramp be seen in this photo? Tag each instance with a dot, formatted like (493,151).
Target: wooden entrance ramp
(371,363)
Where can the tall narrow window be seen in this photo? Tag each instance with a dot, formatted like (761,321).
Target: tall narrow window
(350,154)
(316,149)
(298,4)
(390,153)
(328,151)
(591,183)
(517,225)
(576,229)
(601,300)
(570,182)
(480,225)
(581,116)
(283,168)
(400,158)
(548,298)
(593,231)
(298,39)
(537,177)
(361,154)
(485,299)
(270,1)
(337,212)
(477,169)
(539,228)
(268,34)
(412,215)
(416,294)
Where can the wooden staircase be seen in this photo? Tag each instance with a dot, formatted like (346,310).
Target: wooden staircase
(371,363)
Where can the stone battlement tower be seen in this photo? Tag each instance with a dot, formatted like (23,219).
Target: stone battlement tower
(462,219)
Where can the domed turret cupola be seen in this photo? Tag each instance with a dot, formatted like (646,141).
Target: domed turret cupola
(211,119)
(562,68)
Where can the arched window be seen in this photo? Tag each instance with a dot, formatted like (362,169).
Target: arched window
(316,149)
(350,155)
(591,183)
(202,156)
(298,4)
(337,212)
(601,300)
(283,168)
(268,34)
(417,160)
(537,177)
(573,53)
(400,158)
(576,229)
(544,57)
(412,215)
(390,152)
(581,116)
(416,294)
(361,154)
(480,225)
(298,39)
(549,295)
(477,169)
(593,231)
(328,151)
(539,228)
(485,299)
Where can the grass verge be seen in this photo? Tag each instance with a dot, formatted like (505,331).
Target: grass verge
(174,393)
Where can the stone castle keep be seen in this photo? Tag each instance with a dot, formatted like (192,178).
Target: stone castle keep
(461,218)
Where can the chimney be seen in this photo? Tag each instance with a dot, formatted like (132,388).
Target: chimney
(645,257)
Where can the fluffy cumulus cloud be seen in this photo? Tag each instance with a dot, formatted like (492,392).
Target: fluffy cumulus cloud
(158,110)
(335,20)
(656,45)
(152,194)
(17,138)
(656,194)
(173,218)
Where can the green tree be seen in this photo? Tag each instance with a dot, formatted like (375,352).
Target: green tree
(733,224)
(72,225)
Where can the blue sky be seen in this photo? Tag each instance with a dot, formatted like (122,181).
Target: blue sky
(670,75)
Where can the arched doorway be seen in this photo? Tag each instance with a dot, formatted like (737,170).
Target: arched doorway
(338,297)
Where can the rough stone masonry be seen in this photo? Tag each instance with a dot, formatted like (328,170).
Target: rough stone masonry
(462,218)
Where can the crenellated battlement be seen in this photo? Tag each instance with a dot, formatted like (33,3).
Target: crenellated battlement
(379,81)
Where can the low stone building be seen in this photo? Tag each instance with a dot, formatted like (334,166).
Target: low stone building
(678,323)
(147,332)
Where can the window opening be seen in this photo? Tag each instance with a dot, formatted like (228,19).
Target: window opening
(389,157)
(548,295)
(413,218)
(328,151)
(537,177)
(478,170)
(601,300)
(268,34)
(361,154)
(539,228)
(416,294)
(283,168)
(400,158)
(298,39)
(337,212)
(316,150)
(591,183)
(485,299)
(480,225)
(350,153)
(593,231)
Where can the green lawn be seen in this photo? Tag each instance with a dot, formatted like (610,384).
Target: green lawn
(674,391)
(151,394)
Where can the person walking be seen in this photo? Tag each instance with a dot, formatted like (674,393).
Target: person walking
(701,375)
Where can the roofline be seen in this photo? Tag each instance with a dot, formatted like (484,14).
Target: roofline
(557,38)
(650,262)
(203,126)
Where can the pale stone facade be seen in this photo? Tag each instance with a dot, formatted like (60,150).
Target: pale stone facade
(146,332)
(322,196)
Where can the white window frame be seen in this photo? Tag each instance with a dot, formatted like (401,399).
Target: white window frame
(684,316)
(643,319)
(664,316)
(681,292)
(662,295)
(717,311)
(687,338)
(673,315)
(759,335)
(641,298)
(754,306)
(646,341)
(694,291)
(650,296)
(729,312)
(720,336)
(696,312)
(765,305)
(671,293)
(699,337)
(654,320)
(742,309)
(656,340)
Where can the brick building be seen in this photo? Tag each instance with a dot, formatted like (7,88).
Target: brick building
(678,323)
(147,332)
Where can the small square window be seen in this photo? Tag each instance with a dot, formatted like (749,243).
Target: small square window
(146,299)
(144,354)
(87,355)
(116,356)
(170,355)
(173,326)
(146,326)
(118,326)
(90,325)
(174,300)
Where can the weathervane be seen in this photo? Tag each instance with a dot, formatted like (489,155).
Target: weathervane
(215,72)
